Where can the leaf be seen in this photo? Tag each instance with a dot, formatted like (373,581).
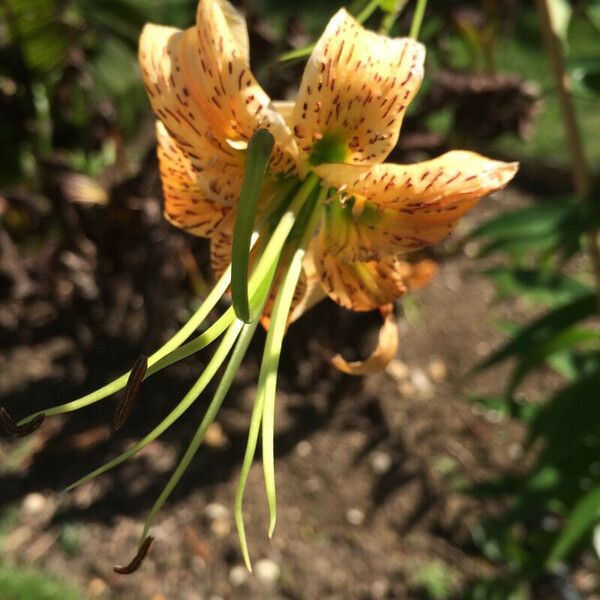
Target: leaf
(536,285)
(536,227)
(36,27)
(585,76)
(593,13)
(562,341)
(582,518)
(568,418)
(543,329)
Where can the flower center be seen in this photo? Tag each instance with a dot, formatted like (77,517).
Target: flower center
(331,148)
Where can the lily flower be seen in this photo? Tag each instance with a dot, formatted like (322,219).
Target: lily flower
(356,87)
(332,218)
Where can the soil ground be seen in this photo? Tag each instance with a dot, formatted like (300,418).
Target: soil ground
(371,472)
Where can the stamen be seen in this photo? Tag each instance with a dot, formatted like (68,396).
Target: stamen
(118,384)
(20,429)
(269,359)
(137,560)
(136,376)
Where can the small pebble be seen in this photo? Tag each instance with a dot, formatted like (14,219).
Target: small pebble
(34,504)
(421,382)
(381,462)
(398,370)
(355,516)
(214,510)
(380,588)
(97,587)
(238,575)
(215,436)
(221,527)
(437,370)
(303,449)
(267,570)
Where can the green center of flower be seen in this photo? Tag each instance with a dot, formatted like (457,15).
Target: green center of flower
(331,148)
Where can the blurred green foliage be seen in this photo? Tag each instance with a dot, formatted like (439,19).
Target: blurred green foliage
(18,583)
(554,511)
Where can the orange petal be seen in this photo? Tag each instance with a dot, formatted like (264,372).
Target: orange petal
(185,111)
(400,208)
(223,76)
(186,204)
(359,286)
(355,89)
(386,349)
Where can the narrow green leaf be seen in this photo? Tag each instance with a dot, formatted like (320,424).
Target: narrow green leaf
(541,330)
(562,341)
(536,285)
(259,151)
(584,516)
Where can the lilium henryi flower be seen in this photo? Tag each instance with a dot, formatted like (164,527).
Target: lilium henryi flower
(331,218)
(346,119)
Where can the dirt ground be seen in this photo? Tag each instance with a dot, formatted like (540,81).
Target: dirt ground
(371,472)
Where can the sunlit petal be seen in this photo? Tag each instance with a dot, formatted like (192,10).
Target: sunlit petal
(389,209)
(186,204)
(387,346)
(355,90)
(221,72)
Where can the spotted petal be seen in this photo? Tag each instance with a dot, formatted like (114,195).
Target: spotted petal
(200,86)
(389,209)
(186,204)
(354,92)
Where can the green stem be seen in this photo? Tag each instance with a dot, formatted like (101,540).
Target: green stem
(362,16)
(417,21)
(367,11)
(259,151)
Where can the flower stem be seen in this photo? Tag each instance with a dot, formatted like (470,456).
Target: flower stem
(417,21)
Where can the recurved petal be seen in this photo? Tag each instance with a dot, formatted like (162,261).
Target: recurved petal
(390,209)
(186,204)
(359,286)
(354,92)
(169,61)
(387,346)
(222,73)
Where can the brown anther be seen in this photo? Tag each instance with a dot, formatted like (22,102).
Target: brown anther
(20,430)
(134,565)
(134,382)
